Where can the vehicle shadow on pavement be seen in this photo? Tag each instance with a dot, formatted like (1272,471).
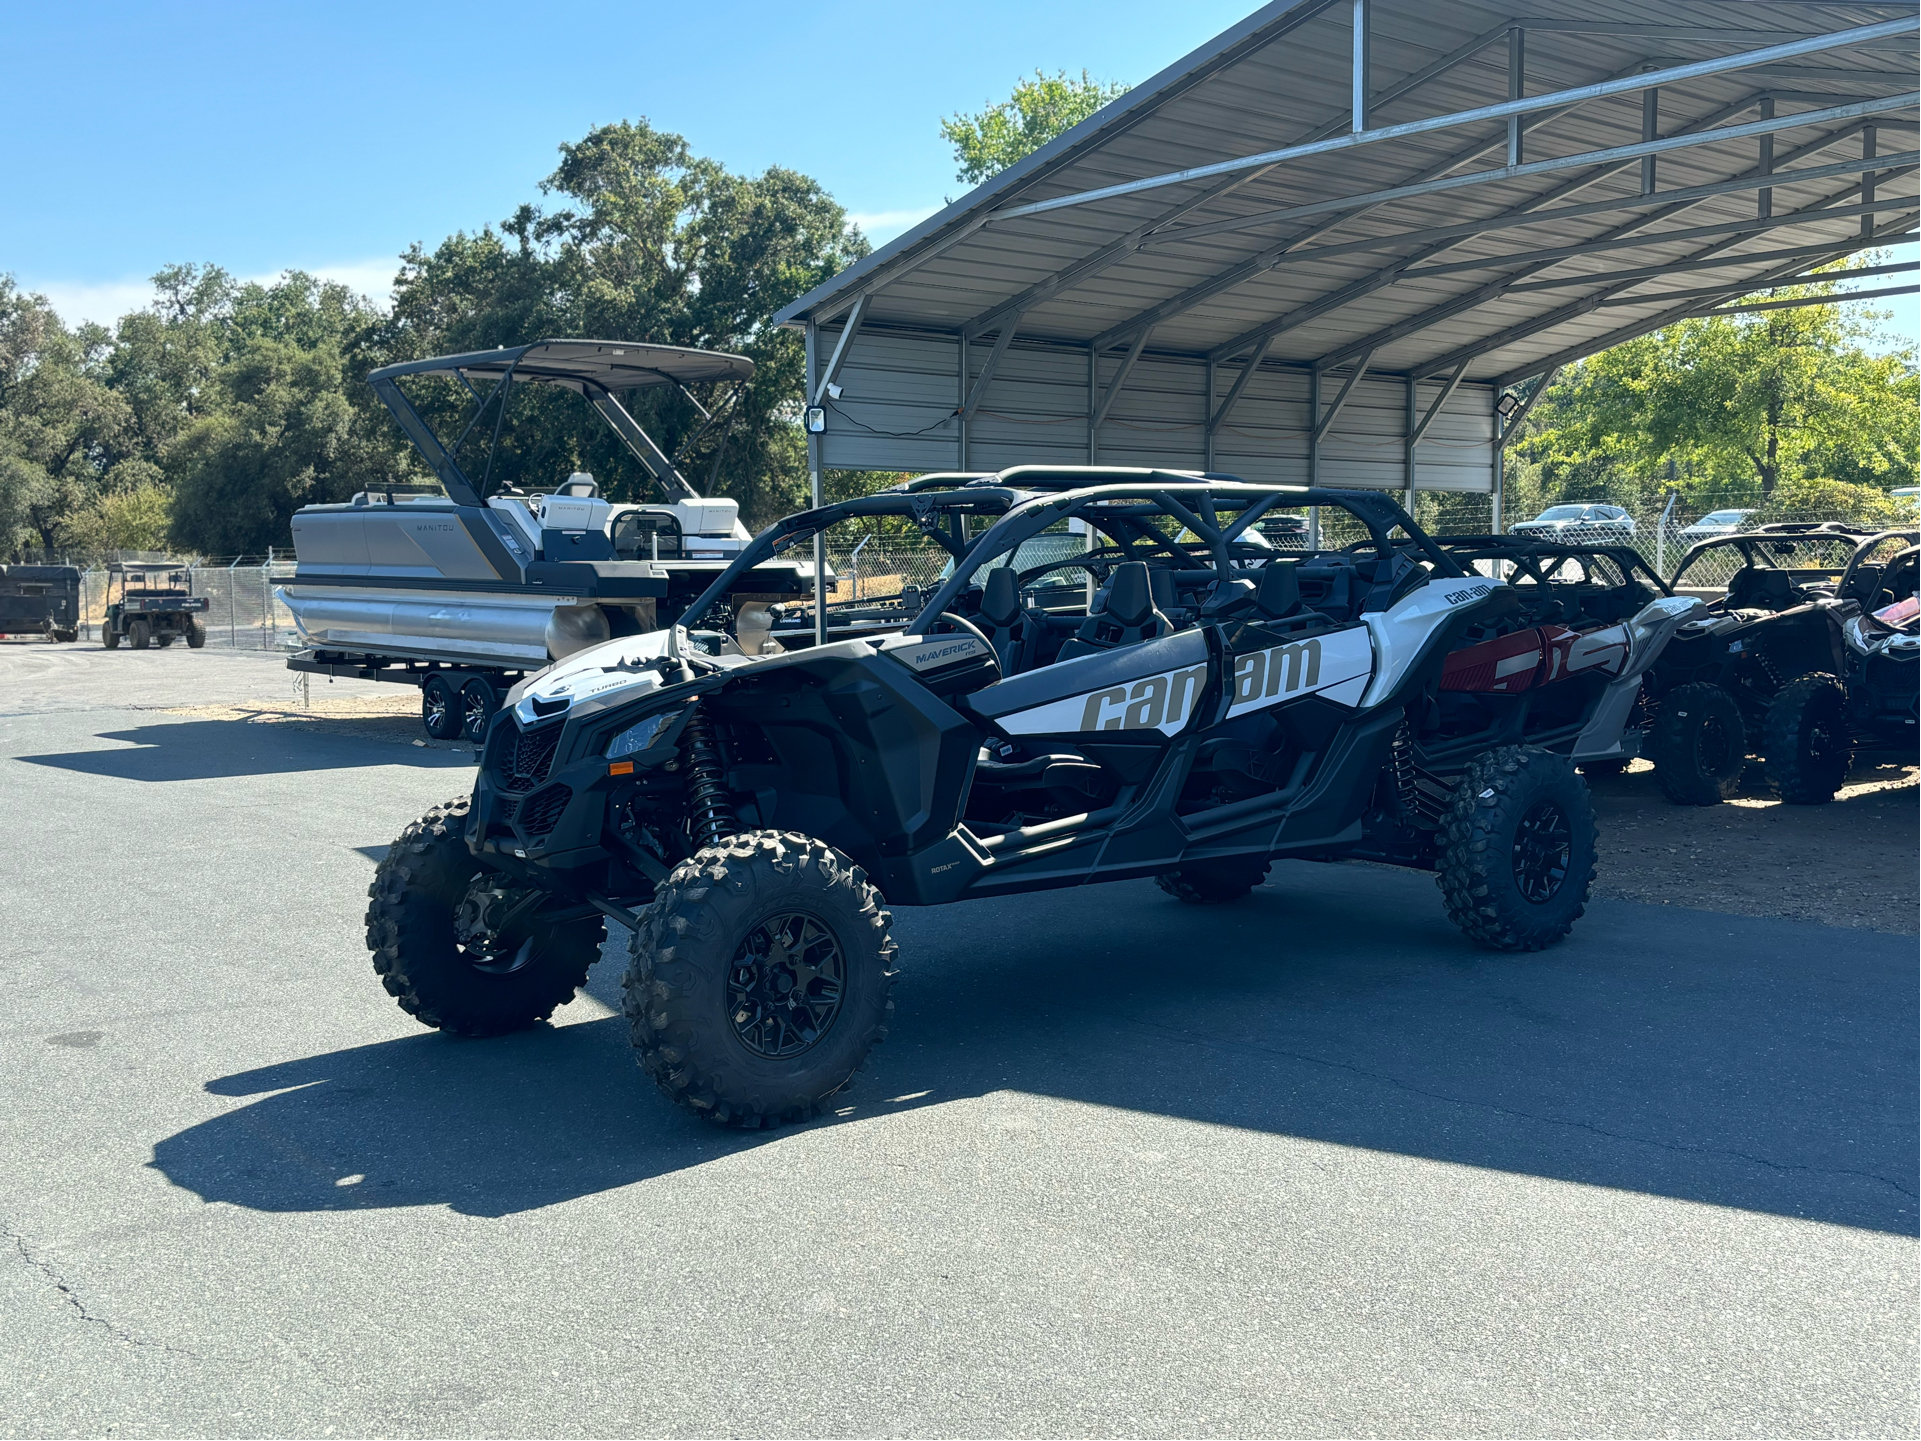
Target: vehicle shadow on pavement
(1763,1065)
(199,750)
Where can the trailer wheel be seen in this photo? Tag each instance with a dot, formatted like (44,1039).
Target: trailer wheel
(760,979)
(1699,745)
(478,702)
(440,708)
(1517,849)
(422,895)
(196,635)
(140,634)
(1209,883)
(1807,740)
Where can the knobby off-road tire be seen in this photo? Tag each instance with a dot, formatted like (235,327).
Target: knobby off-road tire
(196,635)
(1212,883)
(760,978)
(1699,745)
(140,634)
(1806,740)
(1517,849)
(418,955)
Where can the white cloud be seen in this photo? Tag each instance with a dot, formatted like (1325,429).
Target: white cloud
(105,301)
(881,226)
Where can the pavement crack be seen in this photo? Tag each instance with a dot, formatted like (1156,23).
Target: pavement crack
(1489,1106)
(75,1303)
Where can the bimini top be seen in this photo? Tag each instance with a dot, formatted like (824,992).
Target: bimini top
(578,364)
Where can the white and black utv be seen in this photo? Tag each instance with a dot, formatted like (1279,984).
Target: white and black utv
(1197,705)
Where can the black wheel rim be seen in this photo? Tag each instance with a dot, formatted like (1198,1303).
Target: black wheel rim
(1825,746)
(784,990)
(1543,851)
(1713,746)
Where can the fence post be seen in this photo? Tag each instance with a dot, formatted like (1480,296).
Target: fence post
(233,624)
(1661,538)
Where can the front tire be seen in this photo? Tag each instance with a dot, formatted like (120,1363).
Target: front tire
(761,978)
(1213,883)
(1517,849)
(109,637)
(1806,740)
(440,708)
(1699,745)
(420,958)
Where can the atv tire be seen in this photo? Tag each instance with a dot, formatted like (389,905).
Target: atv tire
(109,637)
(711,992)
(1212,883)
(196,635)
(420,959)
(140,634)
(1517,849)
(1806,740)
(1699,745)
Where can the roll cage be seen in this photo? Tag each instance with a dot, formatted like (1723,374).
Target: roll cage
(1764,547)
(1141,512)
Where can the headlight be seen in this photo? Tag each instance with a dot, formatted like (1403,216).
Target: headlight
(639,737)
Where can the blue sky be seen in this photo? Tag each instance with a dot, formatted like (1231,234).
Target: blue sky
(329,138)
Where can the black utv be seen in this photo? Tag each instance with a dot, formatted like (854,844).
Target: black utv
(1192,705)
(152,603)
(1727,684)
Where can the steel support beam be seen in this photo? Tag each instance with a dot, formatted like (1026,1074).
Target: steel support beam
(1494,289)
(1800,302)
(847,334)
(979,390)
(1614,155)
(1363,45)
(1516,88)
(1764,198)
(1098,417)
(812,361)
(1653,272)
(1115,252)
(1446,240)
(1326,422)
(1219,417)
(1585,348)
(1625,85)
(1722,290)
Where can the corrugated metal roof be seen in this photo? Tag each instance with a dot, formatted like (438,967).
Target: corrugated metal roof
(1214,271)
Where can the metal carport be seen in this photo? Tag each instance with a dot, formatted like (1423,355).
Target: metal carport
(1325,245)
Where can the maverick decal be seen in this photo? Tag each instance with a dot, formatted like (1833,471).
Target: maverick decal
(1335,666)
(921,654)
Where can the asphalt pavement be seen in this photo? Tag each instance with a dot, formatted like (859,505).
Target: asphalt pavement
(1309,1164)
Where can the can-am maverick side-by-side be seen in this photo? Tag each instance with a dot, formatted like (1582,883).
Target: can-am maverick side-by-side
(462,594)
(1820,721)
(1581,596)
(1715,685)
(749,803)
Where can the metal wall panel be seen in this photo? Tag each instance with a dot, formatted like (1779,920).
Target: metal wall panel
(900,391)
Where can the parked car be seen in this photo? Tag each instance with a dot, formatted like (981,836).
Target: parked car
(1719,522)
(1579,522)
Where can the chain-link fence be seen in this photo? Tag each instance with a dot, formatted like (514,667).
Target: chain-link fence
(243,613)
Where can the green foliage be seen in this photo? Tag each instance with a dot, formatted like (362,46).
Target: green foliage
(136,516)
(1722,407)
(988,142)
(1799,497)
(652,244)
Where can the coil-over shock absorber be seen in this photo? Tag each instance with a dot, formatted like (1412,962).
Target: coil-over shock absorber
(710,817)
(1405,791)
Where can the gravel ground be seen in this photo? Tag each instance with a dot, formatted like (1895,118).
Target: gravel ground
(1306,1165)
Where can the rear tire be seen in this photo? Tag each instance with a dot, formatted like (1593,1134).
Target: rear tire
(1699,745)
(440,708)
(140,634)
(1517,849)
(1212,883)
(1806,740)
(761,979)
(196,635)
(418,953)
